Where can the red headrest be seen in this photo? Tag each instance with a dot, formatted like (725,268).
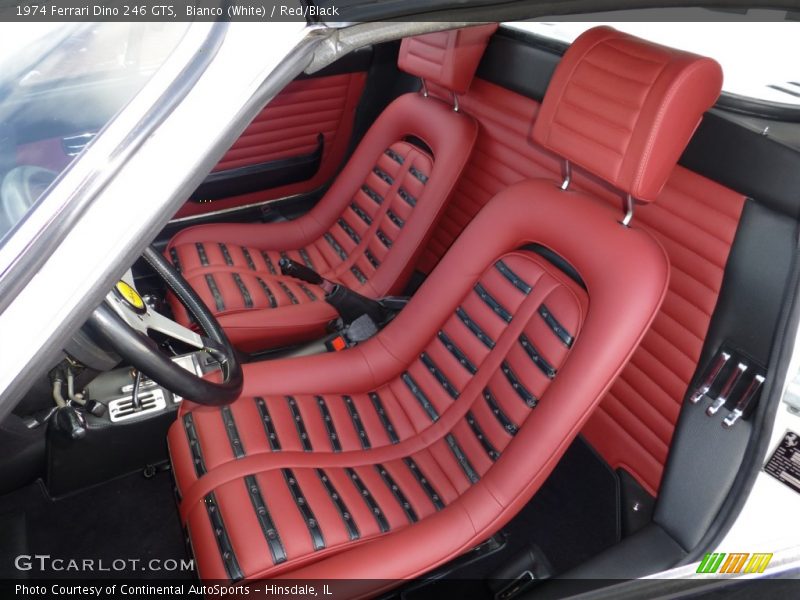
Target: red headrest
(624,109)
(446,58)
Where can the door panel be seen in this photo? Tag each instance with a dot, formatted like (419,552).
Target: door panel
(287,134)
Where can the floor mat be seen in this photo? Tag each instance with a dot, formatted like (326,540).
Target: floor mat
(126,523)
(574,515)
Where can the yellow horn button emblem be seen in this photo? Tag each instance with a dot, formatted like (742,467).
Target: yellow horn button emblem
(130,295)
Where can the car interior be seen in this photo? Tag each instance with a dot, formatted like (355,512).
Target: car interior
(474,304)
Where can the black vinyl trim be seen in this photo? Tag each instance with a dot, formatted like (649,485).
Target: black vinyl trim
(249,259)
(420,396)
(327,419)
(505,422)
(474,328)
(457,352)
(358,424)
(364,492)
(384,417)
(305,510)
(173,254)
(434,370)
(557,328)
(297,417)
(424,483)
(194,445)
(536,356)
(268,292)
(517,386)
(261,176)
(362,214)
(491,451)
(269,425)
(246,297)
(276,549)
(418,174)
(344,512)
(395,219)
(408,198)
(306,258)
(292,298)
(385,240)
(398,494)
(515,279)
(383,175)
(371,258)
(349,230)
(268,262)
(335,245)
(233,433)
(394,156)
(226,255)
(462,459)
(358,274)
(493,304)
(374,196)
(223,541)
(201,253)
(307,291)
(212,286)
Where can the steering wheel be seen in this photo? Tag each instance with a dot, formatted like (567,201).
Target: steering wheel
(123,320)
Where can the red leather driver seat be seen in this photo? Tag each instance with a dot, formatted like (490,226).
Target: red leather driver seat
(388,459)
(366,231)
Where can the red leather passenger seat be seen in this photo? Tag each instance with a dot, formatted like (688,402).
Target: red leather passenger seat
(366,231)
(388,459)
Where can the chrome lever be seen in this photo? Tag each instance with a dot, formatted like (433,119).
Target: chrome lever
(719,363)
(744,402)
(733,379)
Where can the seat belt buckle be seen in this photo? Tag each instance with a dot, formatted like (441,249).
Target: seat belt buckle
(336,344)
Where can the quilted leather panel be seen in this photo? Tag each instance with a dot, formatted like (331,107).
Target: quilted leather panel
(393,494)
(624,109)
(288,126)
(695,220)
(446,58)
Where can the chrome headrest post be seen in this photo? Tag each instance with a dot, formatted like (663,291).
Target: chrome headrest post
(424,87)
(455,102)
(627,204)
(567,175)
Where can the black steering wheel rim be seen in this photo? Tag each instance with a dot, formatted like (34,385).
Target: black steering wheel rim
(144,354)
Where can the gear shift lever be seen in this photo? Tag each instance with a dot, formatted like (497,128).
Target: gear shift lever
(136,402)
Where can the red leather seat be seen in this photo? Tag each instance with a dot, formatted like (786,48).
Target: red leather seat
(367,230)
(388,459)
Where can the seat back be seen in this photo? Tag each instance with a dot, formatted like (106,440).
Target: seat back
(380,211)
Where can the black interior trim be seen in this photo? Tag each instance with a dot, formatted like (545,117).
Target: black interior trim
(252,178)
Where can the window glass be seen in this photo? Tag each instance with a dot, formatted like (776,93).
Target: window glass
(59,85)
(759,60)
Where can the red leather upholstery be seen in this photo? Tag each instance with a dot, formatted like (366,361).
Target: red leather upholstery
(624,109)
(431,435)
(288,126)
(366,232)
(446,58)
(466,402)
(695,220)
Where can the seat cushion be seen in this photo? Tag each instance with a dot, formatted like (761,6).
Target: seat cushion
(443,424)
(365,233)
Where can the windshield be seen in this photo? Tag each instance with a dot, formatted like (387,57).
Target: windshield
(60,83)
(759,60)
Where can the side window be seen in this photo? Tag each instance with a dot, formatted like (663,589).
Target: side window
(60,83)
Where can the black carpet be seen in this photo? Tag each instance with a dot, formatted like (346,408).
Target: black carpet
(131,517)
